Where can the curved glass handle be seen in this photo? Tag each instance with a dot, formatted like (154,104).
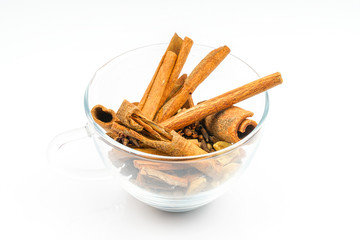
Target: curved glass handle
(60,161)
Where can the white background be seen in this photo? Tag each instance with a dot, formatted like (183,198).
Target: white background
(303,182)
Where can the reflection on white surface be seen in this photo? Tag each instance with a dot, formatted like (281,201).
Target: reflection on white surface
(102,210)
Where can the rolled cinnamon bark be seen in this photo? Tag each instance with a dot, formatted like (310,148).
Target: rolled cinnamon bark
(103,116)
(177,146)
(125,113)
(152,134)
(154,98)
(225,124)
(177,85)
(113,135)
(189,103)
(130,116)
(171,143)
(209,167)
(246,127)
(163,177)
(196,184)
(197,76)
(180,61)
(174,46)
(221,102)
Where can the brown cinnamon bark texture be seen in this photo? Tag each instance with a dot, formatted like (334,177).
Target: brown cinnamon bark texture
(164,177)
(180,61)
(128,114)
(208,167)
(125,113)
(103,116)
(177,85)
(196,185)
(226,123)
(153,101)
(246,127)
(174,46)
(169,142)
(222,102)
(197,76)
(189,103)
(113,135)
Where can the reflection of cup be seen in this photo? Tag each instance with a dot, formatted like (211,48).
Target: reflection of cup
(168,183)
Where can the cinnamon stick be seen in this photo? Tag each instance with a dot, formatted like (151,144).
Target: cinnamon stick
(177,146)
(113,135)
(177,85)
(164,177)
(226,123)
(189,103)
(196,185)
(197,76)
(152,183)
(103,116)
(180,61)
(221,102)
(125,113)
(174,46)
(130,116)
(209,167)
(246,127)
(153,101)
(170,142)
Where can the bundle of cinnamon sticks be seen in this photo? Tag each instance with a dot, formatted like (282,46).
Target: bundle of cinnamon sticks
(167,122)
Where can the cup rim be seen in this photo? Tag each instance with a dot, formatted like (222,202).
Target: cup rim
(167,159)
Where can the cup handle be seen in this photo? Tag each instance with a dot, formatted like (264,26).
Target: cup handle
(74,136)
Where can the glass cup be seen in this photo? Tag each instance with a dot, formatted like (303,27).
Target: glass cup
(174,184)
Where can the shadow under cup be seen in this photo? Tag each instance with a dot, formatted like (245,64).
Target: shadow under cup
(173,184)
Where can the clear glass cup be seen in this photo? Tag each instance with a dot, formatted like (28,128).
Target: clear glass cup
(184,183)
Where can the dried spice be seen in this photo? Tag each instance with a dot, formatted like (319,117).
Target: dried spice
(198,75)
(166,122)
(221,102)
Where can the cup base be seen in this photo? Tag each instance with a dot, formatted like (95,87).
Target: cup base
(176,203)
